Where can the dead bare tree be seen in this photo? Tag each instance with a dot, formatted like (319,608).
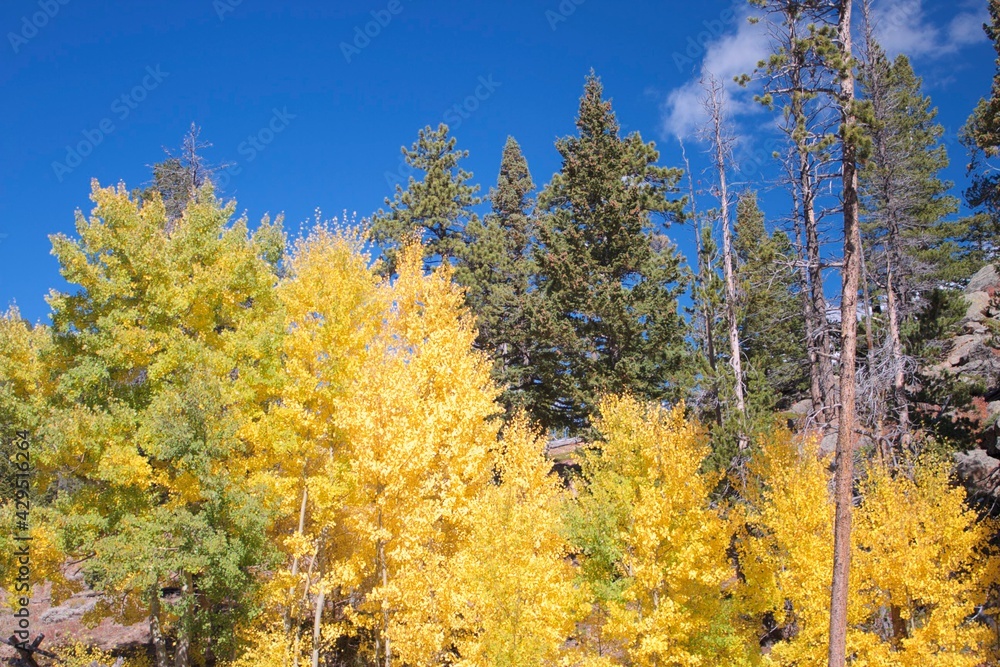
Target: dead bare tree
(721,142)
(703,307)
(797,78)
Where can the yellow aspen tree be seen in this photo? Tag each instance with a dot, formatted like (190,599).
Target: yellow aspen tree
(333,310)
(516,584)
(24,386)
(416,428)
(387,419)
(922,564)
(665,559)
(925,565)
(784,553)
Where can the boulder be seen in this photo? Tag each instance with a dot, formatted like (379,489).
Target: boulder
(986,277)
(802,408)
(975,327)
(961,349)
(977,471)
(978,303)
(828,445)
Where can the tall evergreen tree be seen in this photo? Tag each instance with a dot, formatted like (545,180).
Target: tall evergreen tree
(909,246)
(435,209)
(771,320)
(609,275)
(981,135)
(497,267)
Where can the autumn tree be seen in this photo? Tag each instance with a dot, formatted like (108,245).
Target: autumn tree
(166,354)
(514,574)
(652,547)
(922,563)
(609,276)
(408,493)
(23,385)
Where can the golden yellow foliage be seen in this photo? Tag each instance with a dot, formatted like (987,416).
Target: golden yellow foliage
(923,565)
(519,601)
(920,563)
(669,545)
(387,419)
(79,654)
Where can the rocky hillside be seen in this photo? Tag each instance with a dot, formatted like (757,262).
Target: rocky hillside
(973,358)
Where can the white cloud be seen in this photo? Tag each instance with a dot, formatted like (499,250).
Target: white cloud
(902,26)
(725,57)
(732,46)
(967,28)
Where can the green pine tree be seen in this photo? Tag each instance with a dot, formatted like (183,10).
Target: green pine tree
(497,267)
(435,209)
(608,274)
(905,202)
(772,330)
(981,136)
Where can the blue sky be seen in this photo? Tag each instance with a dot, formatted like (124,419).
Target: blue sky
(312,115)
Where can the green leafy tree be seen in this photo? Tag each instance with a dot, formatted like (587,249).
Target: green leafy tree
(609,275)
(435,209)
(165,357)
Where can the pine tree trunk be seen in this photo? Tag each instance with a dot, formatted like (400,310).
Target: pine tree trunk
(815,391)
(843,493)
(155,632)
(820,344)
